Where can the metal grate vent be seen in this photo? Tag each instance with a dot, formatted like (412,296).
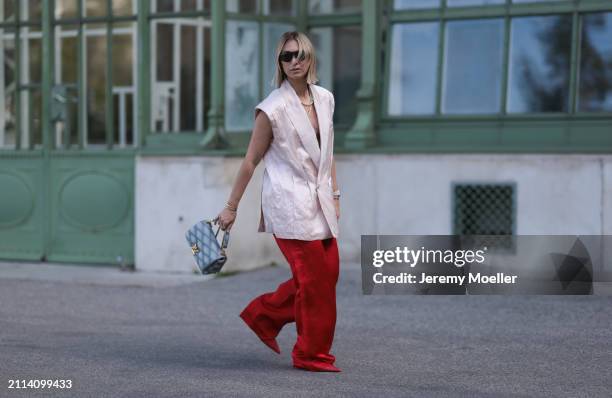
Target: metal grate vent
(484,209)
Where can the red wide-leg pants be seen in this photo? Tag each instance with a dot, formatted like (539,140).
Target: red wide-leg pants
(308,299)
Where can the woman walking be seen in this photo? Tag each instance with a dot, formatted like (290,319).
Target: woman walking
(294,135)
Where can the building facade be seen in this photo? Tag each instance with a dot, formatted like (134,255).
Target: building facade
(125,121)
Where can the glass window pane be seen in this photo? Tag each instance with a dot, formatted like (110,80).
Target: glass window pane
(323,40)
(413,68)
(410,4)
(9,10)
(164,34)
(279,7)
(66,55)
(66,61)
(596,63)
(539,67)
(206,81)
(241,74)
(347,69)
(66,9)
(272,34)
(195,5)
(188,5)
(163,88)
(34,50)
(163,6)
(339,67)
(473,68)
(31,73)
(123,54)
(123,119)
(187,77)
(242,6)
(180,93)
(30,10)
(123,83)
(96,82)
(123,7)
(31,105)
(463,3)
(95,8)
(334,6)
(7,97)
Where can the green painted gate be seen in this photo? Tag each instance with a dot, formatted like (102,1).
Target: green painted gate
(67,207)
(66,145)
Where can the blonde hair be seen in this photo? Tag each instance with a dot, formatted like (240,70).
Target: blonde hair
(304,46)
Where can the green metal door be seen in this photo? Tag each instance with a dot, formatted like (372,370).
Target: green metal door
(66,139)
(90,202)
(67,207)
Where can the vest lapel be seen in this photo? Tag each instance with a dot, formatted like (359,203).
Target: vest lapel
(323,119)
(299,119)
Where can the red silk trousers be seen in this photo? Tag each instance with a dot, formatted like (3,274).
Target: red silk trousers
(308,299)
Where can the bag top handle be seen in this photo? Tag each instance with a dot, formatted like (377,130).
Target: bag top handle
(226,234)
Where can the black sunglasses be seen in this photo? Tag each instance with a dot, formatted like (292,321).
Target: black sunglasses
(287,56)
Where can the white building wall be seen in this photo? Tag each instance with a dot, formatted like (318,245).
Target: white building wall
(381,194)
(173,193)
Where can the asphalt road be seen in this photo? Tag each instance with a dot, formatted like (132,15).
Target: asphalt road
(186,339)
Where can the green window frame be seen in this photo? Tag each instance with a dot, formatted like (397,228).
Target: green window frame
(70,103)
(373,130)
(507,11)
(191,18)
(572,131)
(109,17)
(176,141)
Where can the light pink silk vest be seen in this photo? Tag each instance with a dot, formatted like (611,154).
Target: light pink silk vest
(296,194)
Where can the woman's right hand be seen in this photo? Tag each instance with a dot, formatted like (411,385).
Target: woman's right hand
(225,219)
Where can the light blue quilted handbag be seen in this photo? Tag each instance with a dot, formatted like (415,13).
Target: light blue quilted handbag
(208,253)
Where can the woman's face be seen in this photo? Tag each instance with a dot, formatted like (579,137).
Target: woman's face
(294,69)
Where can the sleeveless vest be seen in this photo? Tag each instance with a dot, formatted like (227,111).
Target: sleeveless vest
(296,193)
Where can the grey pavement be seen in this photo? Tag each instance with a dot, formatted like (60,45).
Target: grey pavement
(122,334)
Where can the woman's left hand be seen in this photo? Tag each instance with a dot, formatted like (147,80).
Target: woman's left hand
(337,206)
